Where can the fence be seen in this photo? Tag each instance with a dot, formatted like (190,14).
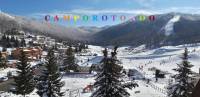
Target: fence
(74,92)
(156,88)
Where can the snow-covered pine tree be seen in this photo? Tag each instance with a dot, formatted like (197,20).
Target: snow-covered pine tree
(2,61)
(23,43)
(8,44)
(49,83)
(3,40)
(69,60)
(109,82)
(24,82)
(182,87)
(16,42)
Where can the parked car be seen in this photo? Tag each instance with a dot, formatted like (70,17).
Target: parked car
(12,89)
(3,79)
(95,54)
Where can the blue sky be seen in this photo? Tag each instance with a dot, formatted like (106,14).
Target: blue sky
(39,8)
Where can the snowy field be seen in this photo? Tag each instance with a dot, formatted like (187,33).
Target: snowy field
(164,58)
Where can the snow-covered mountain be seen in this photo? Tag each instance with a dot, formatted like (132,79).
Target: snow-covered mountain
(164,58)
(171,28)
(8,22)
(6,15)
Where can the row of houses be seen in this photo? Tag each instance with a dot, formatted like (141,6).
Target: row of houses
(38,40)
(35,44)
(44,41)
(32,53)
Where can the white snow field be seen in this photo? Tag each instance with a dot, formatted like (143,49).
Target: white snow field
(169,28)
(164,58)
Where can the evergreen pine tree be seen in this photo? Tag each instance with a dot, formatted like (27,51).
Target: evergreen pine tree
(23,43)
(109,82)
(16,43)
(8,38)
(3,40)
(2,61)
(183,87)
(3,37)
(76,49)
(4,49)
(49,83)
(8,44)
(30,43)
(69,60)
(24,82)
(12,39)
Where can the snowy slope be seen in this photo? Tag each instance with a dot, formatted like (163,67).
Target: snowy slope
(163,58)
(6,15)
(168,56)
(169,27)
(89,54)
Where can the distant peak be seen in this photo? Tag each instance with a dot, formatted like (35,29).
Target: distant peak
(169,28)
(6,15)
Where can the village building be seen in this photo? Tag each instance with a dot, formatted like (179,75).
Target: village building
(4,54)
(33,53)
(12,63)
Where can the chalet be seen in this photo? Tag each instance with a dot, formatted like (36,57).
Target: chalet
(31,53)
(12,63)
(59,45)
(62,50)
(4,54)
(41,40)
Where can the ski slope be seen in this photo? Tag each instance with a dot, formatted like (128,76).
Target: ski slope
(164,58)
